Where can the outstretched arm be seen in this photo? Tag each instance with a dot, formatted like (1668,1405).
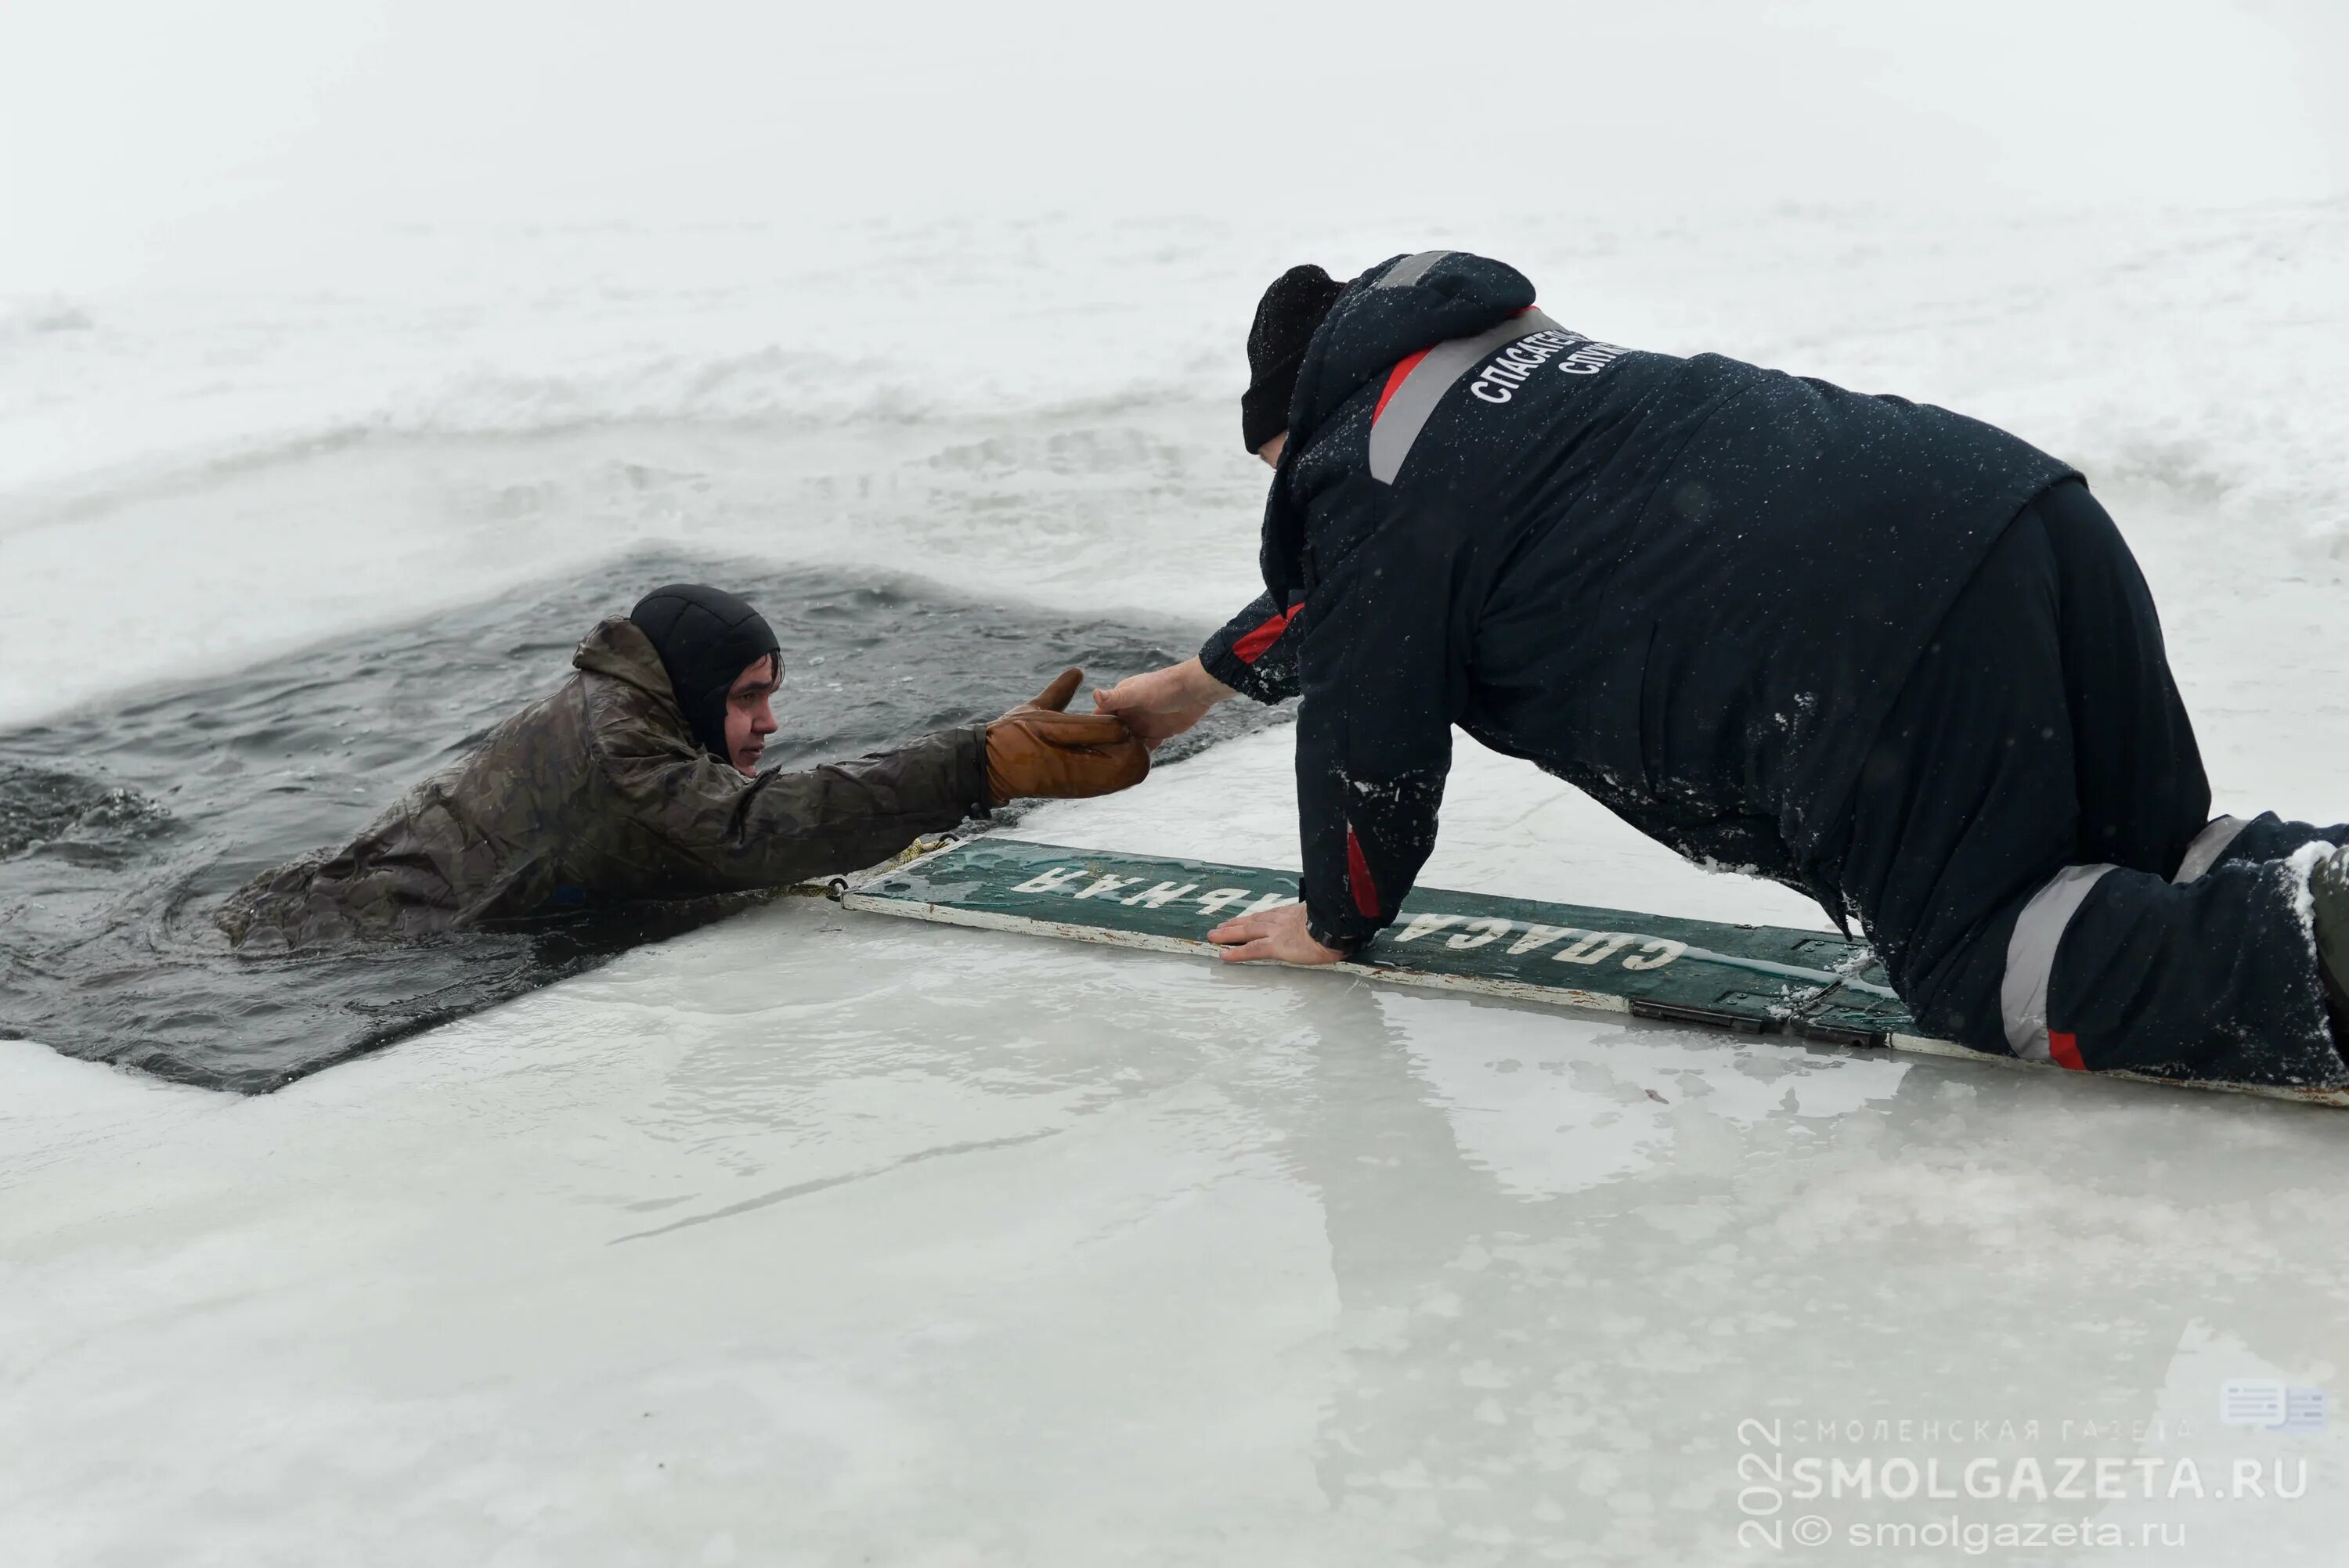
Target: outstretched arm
(1253,655)
(721,833)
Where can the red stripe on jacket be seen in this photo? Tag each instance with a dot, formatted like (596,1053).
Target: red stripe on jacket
(1395,378)
(2066,1050)
(1250,648)
(1357,877)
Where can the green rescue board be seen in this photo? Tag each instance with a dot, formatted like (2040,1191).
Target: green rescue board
(1748,979)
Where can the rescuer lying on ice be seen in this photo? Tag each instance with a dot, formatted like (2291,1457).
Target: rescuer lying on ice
(1874,649)
(638,780)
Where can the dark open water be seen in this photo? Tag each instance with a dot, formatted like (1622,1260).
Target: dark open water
(121,828)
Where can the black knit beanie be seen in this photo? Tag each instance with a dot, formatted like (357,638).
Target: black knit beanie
(1286,318)
(706,638)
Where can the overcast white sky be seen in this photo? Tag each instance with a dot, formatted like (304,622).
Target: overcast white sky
(131,132)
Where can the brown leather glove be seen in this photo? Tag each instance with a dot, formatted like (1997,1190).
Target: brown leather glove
(1037,750)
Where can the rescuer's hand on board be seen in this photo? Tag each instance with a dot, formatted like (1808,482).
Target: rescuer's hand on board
(1162,703)
(1275,933)
(1038,751)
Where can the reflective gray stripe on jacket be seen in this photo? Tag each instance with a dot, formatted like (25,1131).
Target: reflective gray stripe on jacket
(1411,401)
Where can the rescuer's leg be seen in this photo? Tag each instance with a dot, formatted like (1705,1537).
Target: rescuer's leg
(2143,798)
(1969,859)
(2328,888)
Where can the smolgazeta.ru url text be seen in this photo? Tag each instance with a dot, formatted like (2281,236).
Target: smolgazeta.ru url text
(1978,1538)
(2068,1479)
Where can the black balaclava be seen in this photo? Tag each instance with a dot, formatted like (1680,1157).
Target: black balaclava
(1285,319)
(706,638)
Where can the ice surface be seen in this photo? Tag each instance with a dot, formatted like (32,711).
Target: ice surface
(824,1236)
(814,1238)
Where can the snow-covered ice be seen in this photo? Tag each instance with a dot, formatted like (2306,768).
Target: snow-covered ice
(822,1238)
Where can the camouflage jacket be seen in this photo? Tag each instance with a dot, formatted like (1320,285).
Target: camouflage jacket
(599,794)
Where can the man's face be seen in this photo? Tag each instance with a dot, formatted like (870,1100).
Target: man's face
(751,712)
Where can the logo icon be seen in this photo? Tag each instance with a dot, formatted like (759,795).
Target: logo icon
(2266,1404)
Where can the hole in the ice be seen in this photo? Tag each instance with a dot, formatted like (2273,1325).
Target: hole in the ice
(107,948)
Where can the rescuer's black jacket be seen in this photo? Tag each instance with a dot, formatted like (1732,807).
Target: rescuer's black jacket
(1691,587)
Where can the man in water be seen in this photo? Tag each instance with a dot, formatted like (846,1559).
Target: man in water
(1883,653)
(638,780)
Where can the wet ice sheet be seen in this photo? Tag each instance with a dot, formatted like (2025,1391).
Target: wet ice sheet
(817,1236)
(940,1245)
(951,1247)
(811,1237)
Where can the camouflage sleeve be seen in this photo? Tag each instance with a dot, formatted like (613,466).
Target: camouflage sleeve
(783,828)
